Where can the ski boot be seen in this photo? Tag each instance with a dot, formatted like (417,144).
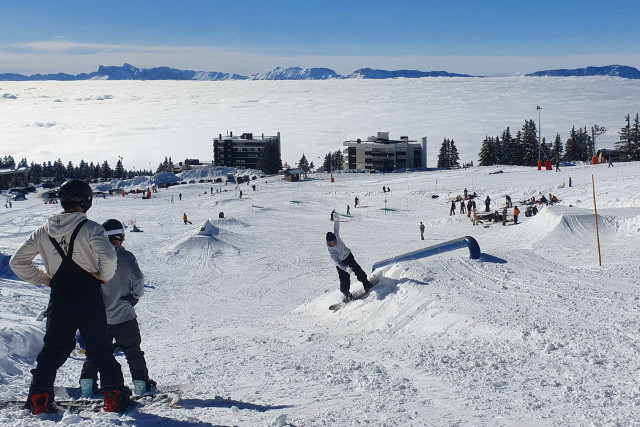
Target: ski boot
(41,403)
(117,399)
(141,387)
(347,297)
(88,388)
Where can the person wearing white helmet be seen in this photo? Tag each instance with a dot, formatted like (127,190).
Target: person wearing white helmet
(120,295)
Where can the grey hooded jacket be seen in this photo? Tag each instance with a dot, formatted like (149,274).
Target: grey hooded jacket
(128,283)
(92,250)
(340,251)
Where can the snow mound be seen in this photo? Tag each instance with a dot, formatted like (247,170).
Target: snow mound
(228,222)
(400,303)
(208,229)
(557,225)
(200,247)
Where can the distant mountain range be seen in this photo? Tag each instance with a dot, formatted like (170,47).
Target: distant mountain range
(129,72)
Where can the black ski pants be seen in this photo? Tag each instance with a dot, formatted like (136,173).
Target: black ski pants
(127,336)
(345,278)
(65,316)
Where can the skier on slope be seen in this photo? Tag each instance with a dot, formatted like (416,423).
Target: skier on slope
(120,295)
(345,262)
(78,259)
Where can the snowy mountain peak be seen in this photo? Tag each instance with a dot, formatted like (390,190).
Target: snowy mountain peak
(297,73)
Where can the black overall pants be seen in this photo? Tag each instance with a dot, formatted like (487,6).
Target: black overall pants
(345,278)
(127,336)
(75,303)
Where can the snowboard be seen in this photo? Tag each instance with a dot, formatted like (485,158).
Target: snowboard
(338,306)
(68,398)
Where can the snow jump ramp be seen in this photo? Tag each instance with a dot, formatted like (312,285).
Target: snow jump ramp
(209,229)
(468,241)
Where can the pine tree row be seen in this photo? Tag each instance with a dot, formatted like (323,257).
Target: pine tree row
(523,149)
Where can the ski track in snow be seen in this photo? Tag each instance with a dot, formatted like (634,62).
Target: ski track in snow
(532,333)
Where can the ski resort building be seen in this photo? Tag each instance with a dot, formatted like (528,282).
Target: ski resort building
(241,151)
(384,154)
(8,176)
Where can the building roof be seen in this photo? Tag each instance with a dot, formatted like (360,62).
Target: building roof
(14,171)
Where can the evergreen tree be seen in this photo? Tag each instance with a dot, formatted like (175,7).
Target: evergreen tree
(23,163)
(443,155)
(119,171)
(35,173)
(572,146)
(545,150)
(107,172)
(556,149)
(586,144)
(635,138)
(337,160)
(8,162)
(59,171)
(270,161)
(84,172)
(454,157)
(624,143)
(71,171)
(303,164)
(97,171)
(517,150)
(326,165)
(487,154)
(505,148)
(531,152)
(311,166)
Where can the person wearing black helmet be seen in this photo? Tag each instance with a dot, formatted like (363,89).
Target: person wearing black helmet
(120,295)
(345,262)
(78,259)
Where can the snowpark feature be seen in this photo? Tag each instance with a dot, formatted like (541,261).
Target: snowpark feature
(532,332)
(451,245)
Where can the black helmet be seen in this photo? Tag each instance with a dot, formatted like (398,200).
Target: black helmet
(75,191)
(114,229)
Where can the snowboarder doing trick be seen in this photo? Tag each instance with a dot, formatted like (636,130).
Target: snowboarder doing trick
(120,295)
(78,259)
(345,262)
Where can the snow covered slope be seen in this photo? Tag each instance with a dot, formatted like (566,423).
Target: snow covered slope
(532,333)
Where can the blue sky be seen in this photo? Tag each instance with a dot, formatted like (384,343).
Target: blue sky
(476,37)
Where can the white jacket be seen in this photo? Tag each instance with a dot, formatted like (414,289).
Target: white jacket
(340,251)
(92,250)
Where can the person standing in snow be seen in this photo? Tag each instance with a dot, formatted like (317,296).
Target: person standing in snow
(452,211)
(469,207)
(348,211)
(355,202)
(421,230)
(180,196)
(78,259)
(516,212)
(462,210)
(487,202)
(184,218)
(120,295)
(345,262)
(508,201)
(465,194)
